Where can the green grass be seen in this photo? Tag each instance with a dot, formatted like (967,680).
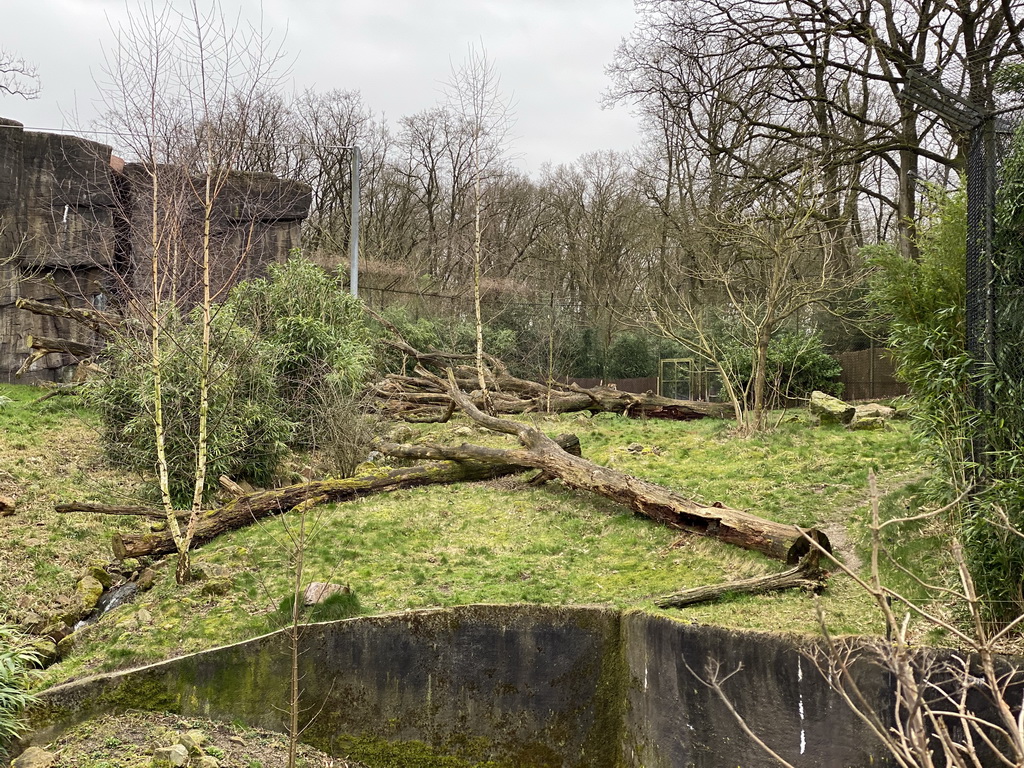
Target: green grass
(496,542)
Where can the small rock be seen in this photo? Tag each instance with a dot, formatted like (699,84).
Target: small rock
(874,410)
(57,631)
(635,448)
(34,757)
(831,410)
(401,434)
(158,526)
(6,506)
(216,587)
(66,646)
(170,757)
(146,579)
(193,740)
(47,650)
(143,617)
(318,591)
(207,761)
(462,432)
(99,573)
(33,622)
(216,571)
(88,592)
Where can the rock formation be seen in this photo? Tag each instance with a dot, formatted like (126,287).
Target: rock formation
(69,216)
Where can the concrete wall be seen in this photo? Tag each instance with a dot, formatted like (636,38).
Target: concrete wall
(523,686)
(672,719)
(74,222)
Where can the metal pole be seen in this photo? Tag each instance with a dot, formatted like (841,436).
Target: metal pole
(354,232)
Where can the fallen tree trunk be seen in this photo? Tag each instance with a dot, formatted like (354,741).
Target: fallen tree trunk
(104,323)
(807,576)
(400,399)
(48,346)
(40,347)
(776,540)
(246,510)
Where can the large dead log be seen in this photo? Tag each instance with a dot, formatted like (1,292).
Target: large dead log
(246,510)
(48,346)
(733,526)
(40,347)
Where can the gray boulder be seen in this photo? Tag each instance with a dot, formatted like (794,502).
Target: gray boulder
(170,757)
(831,410)
(318,591)
(867,423)
(875,410)
(88,592)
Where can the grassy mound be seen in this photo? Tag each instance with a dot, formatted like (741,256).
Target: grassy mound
(497,542)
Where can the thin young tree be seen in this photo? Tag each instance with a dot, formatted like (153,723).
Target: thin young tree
(177,82)
(742,279)
(474,92)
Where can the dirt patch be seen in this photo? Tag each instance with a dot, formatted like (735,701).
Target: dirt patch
(128,740)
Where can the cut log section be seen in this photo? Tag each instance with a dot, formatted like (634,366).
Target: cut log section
(779,541)
(248,509)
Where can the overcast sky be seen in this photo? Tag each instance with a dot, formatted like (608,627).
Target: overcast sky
(550,54)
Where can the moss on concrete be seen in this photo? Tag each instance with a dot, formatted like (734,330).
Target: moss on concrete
(379,753)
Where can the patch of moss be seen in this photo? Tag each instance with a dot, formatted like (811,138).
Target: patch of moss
(378,753)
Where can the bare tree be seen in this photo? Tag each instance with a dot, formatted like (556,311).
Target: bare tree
(848,86)
(17,76)
(742,278)
(474,92)
(179,85)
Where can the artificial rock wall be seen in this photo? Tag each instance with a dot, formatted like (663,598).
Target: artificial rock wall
(74,223)
(522,686)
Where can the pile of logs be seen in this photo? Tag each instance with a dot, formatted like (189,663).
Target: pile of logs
(419,398)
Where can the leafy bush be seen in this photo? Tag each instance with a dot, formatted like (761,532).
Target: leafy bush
(323,354)
(287,355)
(924,302)
(797,365)
(248,431)
(18,660)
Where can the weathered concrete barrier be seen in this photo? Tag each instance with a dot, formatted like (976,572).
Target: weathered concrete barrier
(516,685)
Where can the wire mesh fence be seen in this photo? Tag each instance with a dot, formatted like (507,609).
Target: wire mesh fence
(994,316)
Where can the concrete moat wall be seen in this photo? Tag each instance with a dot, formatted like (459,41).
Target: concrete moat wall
(518,685)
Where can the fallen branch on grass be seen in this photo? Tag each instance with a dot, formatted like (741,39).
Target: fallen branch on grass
(807,576)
